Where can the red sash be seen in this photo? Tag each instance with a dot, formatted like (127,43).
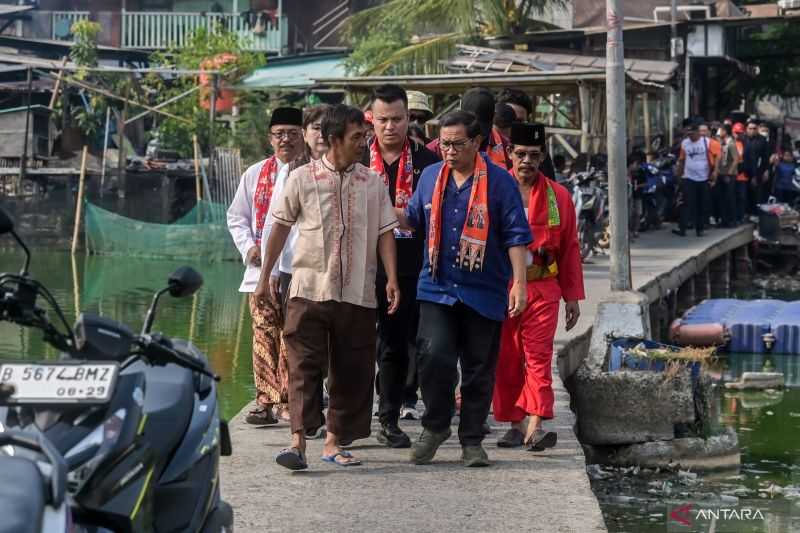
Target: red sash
(404,183)
(263,194)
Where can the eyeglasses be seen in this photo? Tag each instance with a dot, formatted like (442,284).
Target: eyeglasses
(522,154)
(457,146)
(285,134)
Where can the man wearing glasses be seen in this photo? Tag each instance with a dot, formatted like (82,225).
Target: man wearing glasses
(248,225)
(523,385)
(476,232)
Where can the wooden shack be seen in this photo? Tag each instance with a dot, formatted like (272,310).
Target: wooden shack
(12,132)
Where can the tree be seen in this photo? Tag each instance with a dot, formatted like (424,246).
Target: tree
(415,36)
(251,130)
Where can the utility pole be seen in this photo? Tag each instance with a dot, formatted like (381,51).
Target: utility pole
(617,148)
(673,54)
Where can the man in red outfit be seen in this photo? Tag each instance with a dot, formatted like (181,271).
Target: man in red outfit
(523,384)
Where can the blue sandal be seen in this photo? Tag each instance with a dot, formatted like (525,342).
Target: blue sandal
(343,453)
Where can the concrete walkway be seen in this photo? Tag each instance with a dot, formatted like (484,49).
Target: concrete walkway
(522,491)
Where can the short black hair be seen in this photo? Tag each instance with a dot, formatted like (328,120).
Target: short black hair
(389,93)
(728,128)
(637,156)
(518,97)
(460,117)
(559,161)
(504,116)
(335,120)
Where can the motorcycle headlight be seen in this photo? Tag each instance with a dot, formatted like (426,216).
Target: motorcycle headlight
(96,447)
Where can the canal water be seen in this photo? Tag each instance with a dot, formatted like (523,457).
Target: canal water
(768,426)
(216,319)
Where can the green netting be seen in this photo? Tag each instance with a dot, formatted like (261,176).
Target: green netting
(201,233)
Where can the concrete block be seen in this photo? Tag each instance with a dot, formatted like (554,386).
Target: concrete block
(620,314)
(717,452)
(630,407)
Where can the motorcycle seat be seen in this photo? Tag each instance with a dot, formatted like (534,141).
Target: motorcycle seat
(168,404)
(22,496)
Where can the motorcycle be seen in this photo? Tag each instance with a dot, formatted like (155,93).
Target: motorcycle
(135,416)
(32,485)
(590,194)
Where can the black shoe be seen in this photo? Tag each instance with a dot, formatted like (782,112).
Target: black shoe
(513,438)
(701,233)
(392,436)
(679,232)
(486,428)
(425,448)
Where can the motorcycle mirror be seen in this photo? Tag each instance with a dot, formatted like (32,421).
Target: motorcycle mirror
(184,282)
(6,222)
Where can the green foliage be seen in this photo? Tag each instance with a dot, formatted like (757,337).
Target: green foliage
(84,51)
(416,36)
(250,131)
(774,52)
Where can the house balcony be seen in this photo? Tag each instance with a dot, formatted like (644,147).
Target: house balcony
(160,30)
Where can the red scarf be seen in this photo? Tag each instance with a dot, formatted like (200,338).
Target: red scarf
(496,149)
(263,194)
(476,227)
(404,182)
(543,214)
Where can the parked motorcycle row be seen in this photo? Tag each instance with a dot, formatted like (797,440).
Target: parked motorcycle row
(121,434)
(588,184)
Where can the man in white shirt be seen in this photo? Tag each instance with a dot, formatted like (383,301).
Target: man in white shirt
(695,167)
(248,224)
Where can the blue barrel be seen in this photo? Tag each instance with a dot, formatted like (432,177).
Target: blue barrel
(786,329)
(749,322)
(711,311)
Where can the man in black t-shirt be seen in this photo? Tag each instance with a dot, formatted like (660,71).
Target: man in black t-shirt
(400,161)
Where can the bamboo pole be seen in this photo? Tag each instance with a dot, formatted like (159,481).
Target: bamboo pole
(79,206)
(109,94)
(193,319)
(57,87)
(105,149)
(197,180)
(76,287)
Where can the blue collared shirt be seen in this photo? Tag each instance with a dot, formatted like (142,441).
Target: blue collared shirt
(485,291)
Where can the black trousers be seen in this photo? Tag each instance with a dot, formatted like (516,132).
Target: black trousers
(396,373)
(694,204)
(447,334)
(742,188)
(726,199)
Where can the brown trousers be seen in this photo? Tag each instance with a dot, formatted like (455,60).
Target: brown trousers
(340,337)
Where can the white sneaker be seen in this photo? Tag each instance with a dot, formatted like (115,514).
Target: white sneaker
(409,413)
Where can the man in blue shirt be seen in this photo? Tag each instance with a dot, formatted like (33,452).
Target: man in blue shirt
(464,291)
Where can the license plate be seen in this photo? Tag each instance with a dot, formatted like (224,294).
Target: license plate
(59,382)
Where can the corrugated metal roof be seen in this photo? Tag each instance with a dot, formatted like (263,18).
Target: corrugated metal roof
(297,73)
(479,59)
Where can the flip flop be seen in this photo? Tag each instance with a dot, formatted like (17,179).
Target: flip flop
(343,453)
(540,441)
(291,458)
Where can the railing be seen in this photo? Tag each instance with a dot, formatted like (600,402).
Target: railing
(62,21)
(160,30)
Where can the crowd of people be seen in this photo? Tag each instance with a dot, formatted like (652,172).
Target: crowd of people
(726,171)
(440,262)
